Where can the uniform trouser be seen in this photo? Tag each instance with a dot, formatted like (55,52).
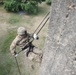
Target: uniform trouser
(33,53)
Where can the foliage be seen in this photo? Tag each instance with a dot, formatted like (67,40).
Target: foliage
(12,5)
(43,0)
(29,6)
(38,1)
(48,2)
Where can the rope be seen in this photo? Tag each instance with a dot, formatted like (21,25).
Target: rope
(18,66)
(43,25)
(41,22)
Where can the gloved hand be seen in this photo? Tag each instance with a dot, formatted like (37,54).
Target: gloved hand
(35,36)
(15,54)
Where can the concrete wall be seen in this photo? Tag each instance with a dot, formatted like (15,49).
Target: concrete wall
(59,56)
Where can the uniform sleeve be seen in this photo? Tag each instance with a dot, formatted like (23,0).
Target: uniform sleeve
(13,45)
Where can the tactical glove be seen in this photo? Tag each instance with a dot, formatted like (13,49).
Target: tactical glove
(15,53)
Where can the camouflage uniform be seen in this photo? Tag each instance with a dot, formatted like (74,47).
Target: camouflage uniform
(23,42)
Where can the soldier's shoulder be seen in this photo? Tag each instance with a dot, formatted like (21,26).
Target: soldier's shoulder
(18,37)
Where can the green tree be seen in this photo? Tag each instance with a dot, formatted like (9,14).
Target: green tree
(29,6)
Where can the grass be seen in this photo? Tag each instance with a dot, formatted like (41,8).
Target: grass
(7,62)
(6,66)
(7,40)
(14,19)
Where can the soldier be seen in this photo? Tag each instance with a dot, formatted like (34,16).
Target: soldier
(23,40)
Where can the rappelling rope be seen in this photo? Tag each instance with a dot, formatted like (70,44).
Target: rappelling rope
(18,66)
(42,26)
(41,22)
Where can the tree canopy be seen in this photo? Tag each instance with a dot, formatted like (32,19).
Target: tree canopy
(29,6)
